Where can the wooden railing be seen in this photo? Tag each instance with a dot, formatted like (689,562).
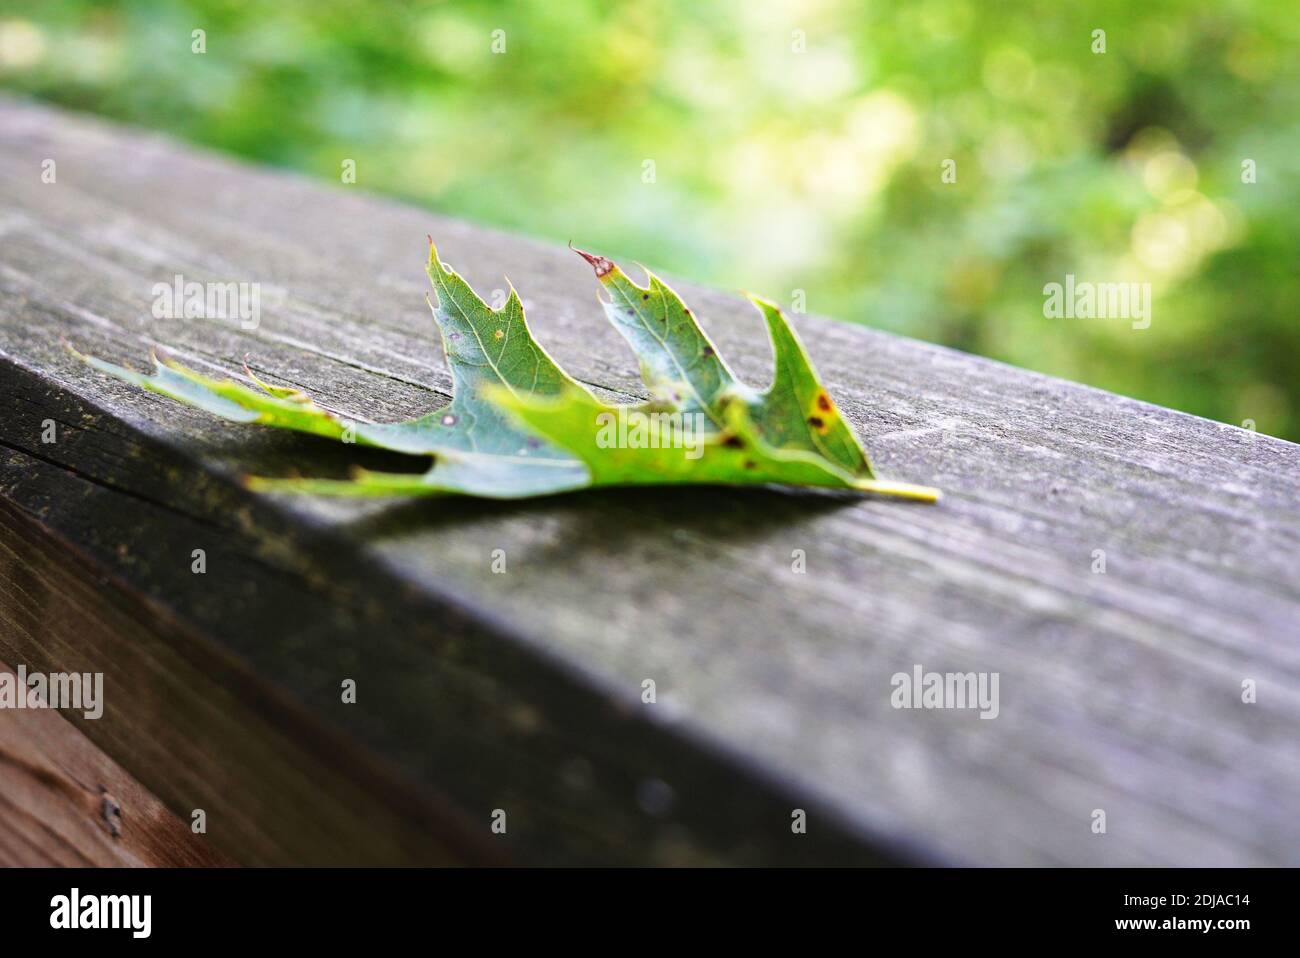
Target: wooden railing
(1128,572)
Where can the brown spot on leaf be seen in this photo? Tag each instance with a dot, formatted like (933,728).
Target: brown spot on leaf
(823,402)
(708,351)
(734,442)
(818,423)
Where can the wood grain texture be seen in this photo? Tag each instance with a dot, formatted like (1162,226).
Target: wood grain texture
(274,787)
(64,802)
(1119,691)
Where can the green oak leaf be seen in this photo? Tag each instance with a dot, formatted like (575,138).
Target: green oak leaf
(669,452)
(477,448)
(519,426)
(795,412)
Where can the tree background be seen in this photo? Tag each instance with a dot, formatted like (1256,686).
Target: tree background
(796,145)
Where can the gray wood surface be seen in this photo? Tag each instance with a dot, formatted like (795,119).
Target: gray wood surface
(1119,691)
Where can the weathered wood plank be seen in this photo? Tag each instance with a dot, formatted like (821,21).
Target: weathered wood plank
(64,802)
(272,785)
(1119,691)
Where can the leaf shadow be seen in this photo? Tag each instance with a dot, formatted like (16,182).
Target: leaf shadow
(611,520)
(278,452)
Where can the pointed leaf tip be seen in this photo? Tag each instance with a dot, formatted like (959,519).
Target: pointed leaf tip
(602,266)
(434,259)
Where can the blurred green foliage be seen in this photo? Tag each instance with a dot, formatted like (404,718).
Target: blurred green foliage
(796,145)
